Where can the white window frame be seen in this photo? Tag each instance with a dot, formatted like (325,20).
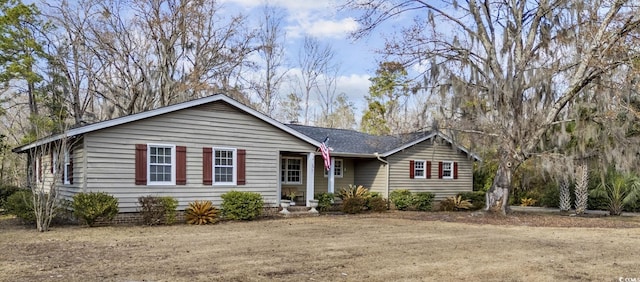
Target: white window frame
(423,169)
(337,173)
(173,164)
(450,170)
(39,170)
(284,161)
(233,170)
(65,169)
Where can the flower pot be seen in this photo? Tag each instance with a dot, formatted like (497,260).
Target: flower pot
(313,204)
(284,204)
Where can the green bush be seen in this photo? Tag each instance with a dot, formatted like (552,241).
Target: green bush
(170,205)
(376,204)
(422,201)
(5,192)
(401,199)
(477,199)
(325,201)
(20,204)
(91,206)
(354,205)
(158,210)
(241,205)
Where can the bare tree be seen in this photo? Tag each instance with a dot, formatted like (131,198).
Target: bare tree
(271,52)
(313,60)
(139,55)
(509,68)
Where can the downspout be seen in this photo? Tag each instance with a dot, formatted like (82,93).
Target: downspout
(387,176)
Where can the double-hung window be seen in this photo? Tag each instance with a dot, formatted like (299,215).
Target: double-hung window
(338,168)
(419,169)
(447,170)
(224,166)
(161,164)
(291,171)
(67,168)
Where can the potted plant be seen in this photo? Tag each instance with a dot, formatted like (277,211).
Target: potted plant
(292,195)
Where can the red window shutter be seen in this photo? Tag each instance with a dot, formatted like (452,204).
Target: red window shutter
(428,169)
(241,173)
(412,167)
(207,166)
(440,170)
(70,171)
(455,170)
(181,165)
(141,164)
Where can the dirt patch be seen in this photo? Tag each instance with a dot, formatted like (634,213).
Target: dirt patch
(394,246)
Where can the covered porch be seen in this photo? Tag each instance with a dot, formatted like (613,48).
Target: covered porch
(295,168)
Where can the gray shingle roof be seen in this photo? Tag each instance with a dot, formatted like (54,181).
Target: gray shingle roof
(354,142)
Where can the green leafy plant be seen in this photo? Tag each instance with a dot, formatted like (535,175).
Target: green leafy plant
(5,192)
(354,205)
(241,205)
(20,204)
(158,210)
(456,203)
(91,206)
(477,199)
(353,191)
(170,205)
(201,212)
(377,204)
(621,190)
(422,201)
(402,199)
(325,201)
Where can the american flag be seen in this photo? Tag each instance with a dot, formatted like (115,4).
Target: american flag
(325,154)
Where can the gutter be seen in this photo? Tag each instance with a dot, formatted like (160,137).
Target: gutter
(387,176)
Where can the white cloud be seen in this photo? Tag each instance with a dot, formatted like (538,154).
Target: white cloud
(323,28)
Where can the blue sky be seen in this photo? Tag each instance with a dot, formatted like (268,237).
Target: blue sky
(322,20)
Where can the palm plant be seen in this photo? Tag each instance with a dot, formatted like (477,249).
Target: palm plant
(621,190)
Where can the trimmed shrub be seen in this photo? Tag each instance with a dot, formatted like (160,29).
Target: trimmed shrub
(354,205)
(201,212)
(20,204)
(401,199)
(91,206)
(241,205)
(477,199)
(5,192)
(376,204)
(422,201)
(158,210)
(325,201)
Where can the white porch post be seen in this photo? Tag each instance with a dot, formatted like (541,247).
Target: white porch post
(311,160)
(331,175)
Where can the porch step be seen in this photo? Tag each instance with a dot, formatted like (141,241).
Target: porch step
(298,211)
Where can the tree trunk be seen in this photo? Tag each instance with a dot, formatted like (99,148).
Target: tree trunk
(497,198)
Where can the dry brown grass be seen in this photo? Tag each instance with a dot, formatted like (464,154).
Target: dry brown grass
(389,247)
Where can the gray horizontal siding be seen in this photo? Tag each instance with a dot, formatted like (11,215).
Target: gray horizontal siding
(434,152)
(111,153)
(322,182)
(371,174)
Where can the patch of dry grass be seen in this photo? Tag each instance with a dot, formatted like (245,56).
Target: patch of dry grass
(327,248)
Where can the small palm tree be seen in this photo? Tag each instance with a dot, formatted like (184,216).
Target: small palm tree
(621,190)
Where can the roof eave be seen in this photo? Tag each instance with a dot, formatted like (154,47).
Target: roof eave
(164,110)
(460,147)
